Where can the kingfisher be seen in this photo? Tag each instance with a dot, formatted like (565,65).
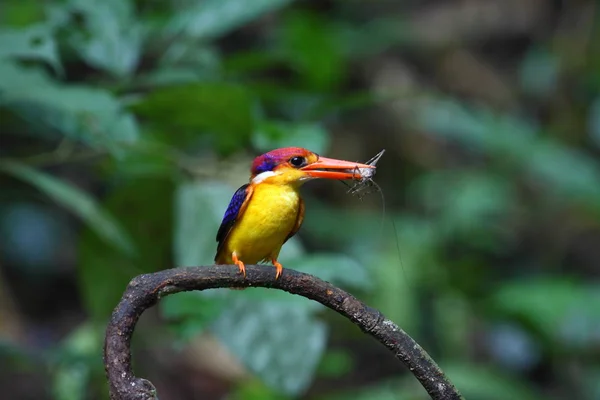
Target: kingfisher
(268,210)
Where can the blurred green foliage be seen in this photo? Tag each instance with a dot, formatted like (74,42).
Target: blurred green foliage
(127,125)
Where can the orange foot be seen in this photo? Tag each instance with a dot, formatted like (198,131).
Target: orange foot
(279,268)
(239,263)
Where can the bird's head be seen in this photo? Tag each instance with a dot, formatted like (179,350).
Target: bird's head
(294,165)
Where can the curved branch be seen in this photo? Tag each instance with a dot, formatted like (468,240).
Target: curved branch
(145,290)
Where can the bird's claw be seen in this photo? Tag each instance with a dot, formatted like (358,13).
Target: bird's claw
(239,263)
(242,268)
(279,268)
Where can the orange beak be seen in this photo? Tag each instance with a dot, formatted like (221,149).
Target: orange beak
(330,168)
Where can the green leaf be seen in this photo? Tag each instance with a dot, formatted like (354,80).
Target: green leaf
(93,116)
(558,309)
(566,171)
(594,122)
(338,226)
(103,275)
(71,382)
(255,389)
(473,381)
(203,60)
(144,207)
(210,19)
(78,360)
(309,46)
(189,304)
(374,37)
(139,164)
(338,269)
(472,206)
(400,266)
(199,208)
(281,344)
(478,382)
(452,312)
(21,13)
(591,382)
(246,62)
(76,201)
(16,356)
(336,364)
(190,313)
(540,72)
(271,135)
(221,109)
(36,42)
(380,391)
(473,195)
(112,39)
(169,76)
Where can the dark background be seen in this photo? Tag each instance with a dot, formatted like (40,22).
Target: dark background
(127,125)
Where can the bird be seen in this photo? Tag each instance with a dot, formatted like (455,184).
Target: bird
(267,211)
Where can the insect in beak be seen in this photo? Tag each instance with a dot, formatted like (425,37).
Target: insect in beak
(366,175)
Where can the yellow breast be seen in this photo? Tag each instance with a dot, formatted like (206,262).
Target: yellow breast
(267,221)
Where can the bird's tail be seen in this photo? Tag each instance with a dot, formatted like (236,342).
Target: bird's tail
(222,258)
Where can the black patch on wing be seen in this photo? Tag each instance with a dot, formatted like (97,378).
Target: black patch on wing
(231,215)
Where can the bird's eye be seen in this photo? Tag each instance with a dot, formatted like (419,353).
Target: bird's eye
(298,161)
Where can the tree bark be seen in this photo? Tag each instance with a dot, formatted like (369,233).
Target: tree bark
(146,290)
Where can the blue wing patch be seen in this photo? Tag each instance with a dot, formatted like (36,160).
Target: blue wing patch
(231,214)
